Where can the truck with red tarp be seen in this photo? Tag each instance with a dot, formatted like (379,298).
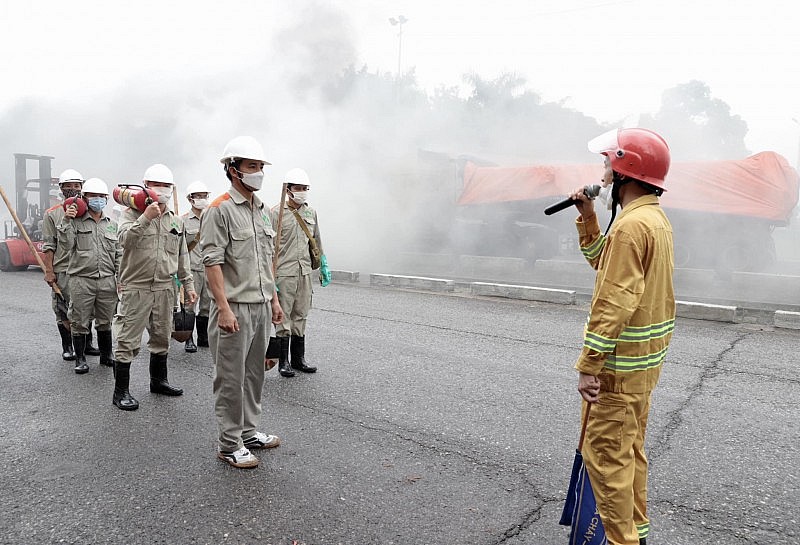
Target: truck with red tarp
(722,212)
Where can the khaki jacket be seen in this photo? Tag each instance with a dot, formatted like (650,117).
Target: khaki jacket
(192,224)
(92,246)
(633,307)
(153,251)
(52,218)
(238,237)
(294,257)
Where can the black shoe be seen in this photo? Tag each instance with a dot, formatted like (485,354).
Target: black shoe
(122,397)
(158,377)
(104,344)
(299,355)
(201,323)
(189,345)
(283,359)
(91,350)
(79,343)
(67,351)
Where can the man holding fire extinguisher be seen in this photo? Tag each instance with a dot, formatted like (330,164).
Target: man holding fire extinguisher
(90,238)
(153,251)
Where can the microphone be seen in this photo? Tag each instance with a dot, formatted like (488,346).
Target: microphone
(590,191)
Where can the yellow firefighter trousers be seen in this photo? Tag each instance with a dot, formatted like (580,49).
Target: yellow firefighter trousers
(613,452)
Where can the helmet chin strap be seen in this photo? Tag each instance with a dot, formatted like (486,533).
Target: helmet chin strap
(619,181)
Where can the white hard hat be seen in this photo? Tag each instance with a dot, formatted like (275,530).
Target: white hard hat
(296,176)
(70,175)
(196,187)
(158,173)
(243,147)
(95,185)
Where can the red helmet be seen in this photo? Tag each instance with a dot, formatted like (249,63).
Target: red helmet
(638,153)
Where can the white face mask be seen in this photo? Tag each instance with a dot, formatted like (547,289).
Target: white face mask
(164,194)
(252,180)
(200,204)
(605,196)
(300,197)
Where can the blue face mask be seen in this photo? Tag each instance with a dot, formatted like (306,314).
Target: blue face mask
(97,203)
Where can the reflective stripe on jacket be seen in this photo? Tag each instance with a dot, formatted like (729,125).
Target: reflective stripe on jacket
(633,307)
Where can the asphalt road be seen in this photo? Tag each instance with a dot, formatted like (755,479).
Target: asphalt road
(436,419)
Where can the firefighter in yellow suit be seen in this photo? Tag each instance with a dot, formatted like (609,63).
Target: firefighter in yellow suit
(630,325)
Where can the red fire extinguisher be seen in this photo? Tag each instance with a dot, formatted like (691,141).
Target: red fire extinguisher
(78,201)
(134,196)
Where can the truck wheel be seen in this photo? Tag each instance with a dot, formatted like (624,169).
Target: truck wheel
(5,261)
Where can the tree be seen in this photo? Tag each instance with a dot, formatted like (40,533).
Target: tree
(698,126)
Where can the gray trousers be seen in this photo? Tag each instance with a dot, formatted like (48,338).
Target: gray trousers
(203,293)
(92,298)
(294,295)
(140,309)
(238,371)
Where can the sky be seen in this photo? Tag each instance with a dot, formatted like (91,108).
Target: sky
(609,59)
(109,88)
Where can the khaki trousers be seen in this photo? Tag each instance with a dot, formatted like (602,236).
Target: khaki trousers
(238,371)
(294,295)
(140,309)
(62,279)
(613,452)
(92,298)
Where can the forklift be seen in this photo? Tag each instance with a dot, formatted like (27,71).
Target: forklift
(33,198)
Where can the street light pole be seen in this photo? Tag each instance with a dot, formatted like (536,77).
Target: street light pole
(399,23)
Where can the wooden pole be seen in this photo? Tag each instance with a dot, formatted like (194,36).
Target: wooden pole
(277,243)
(268,362)
(24,234)
(177,212)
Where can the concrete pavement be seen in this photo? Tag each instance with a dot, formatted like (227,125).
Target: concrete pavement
(435,418)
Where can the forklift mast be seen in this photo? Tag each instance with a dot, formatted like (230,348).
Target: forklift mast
(23,185)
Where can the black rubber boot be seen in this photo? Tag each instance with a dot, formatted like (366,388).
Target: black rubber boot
(90,350)
(79,343)
(201,322)
(67,352)
(283,359)
(158,376)
(299,355)
(122,377)
(104,344)
(189,345)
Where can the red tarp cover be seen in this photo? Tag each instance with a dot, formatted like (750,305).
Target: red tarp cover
(763,185)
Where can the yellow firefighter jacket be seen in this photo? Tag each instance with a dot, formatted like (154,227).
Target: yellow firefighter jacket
(633,306)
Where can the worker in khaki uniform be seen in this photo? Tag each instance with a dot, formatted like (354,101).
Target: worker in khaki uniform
(91,242)
(56,259)
(294,272)
(630,325)
(237,245)
(153,252)
(197,193)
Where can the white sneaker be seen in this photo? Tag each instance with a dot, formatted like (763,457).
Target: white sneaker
(262,440)
(241,458)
